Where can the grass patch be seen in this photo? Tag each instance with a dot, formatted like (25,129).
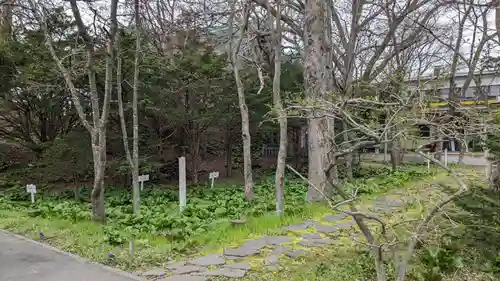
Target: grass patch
(160,232)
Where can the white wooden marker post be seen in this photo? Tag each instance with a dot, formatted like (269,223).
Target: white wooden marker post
(142,179)
(428,160)
(212,176)
(182,183)
(31,188)
(446,157)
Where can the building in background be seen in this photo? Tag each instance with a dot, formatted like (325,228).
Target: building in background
(434,90)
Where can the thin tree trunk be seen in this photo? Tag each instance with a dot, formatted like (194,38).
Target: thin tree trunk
(278,107)
(195,154)
(97,194)
(348,157)
(135,111)
(133,158)
(245,121)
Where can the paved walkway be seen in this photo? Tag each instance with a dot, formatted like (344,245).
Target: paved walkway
(22,260)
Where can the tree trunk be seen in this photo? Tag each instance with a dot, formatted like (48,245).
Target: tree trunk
(6,20)
(317,160)
(245,120)
(247,149)
(97,195)
(278,107)
(348,157)
(494,178)
(195,155)
(316,88)
(136,193)
(395,153)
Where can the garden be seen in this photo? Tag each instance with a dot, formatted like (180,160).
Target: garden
(213,218)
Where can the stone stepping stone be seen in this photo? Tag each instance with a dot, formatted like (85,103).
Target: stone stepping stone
(240,252)
(232,257)
(273,268)
(209,260)
(296,254)
(326,228)
(265,241)
(297,227)
(156,272)
(183,278)
(277,240)
(280,250)
(239,265)
(311,236)
(303,226)
(310,244)
(324,241)
(346,225)
(335,218)
(257,244)
(188,269)
(174,265)
(271,260)
(225,272)
(316,242)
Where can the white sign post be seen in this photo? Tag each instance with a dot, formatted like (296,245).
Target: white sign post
(212,176)
(428,160)
(142,179)
(31,188)
(182,183)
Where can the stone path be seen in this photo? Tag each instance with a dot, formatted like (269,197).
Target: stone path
(300,240)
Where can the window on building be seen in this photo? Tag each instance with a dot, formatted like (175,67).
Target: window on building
(494,91)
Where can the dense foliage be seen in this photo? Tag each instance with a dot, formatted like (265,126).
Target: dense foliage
(205,209)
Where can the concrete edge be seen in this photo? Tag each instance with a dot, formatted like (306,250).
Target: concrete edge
(77,258)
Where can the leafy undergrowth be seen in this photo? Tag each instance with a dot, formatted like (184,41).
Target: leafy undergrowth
(468,244)
(462,243)
(160,231)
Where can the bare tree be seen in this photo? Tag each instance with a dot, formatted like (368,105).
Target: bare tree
(234,49)
(99,112)
(132,158)
(276,37)
(405,113)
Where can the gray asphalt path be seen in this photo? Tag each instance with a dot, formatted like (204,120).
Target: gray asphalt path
(22,260)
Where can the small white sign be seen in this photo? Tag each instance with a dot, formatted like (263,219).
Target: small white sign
(212,176)
(143,178)
(31,189)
